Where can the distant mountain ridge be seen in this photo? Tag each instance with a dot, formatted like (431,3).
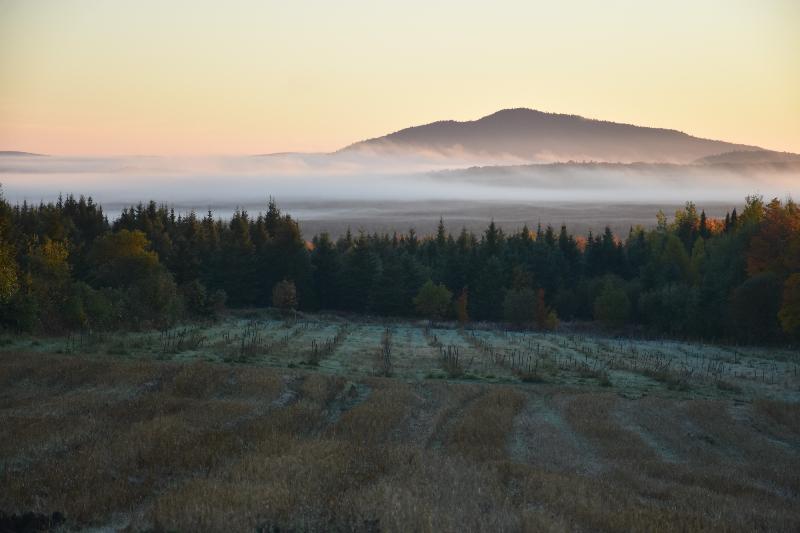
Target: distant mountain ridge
(750,157)
(17,153)
(788,164)
(527,135)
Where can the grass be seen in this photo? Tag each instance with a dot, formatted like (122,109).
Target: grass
(132,441)
(483,427)
(727,386)
(670,379)
(783,413)
(600,375)
(531,376)
(356,347)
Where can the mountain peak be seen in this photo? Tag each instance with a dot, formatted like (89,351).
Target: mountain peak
(530,135)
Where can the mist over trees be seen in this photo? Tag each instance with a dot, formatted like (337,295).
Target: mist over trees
(65,266)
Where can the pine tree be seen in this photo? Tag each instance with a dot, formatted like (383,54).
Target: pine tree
(491,239)
(441,234)
(703,230)
(462,305)
(325,277)
(487,297)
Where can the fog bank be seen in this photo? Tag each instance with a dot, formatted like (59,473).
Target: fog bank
(333,191)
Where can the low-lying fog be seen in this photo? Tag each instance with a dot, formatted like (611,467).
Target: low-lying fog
(333,191)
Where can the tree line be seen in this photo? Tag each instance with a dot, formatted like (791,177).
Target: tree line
(64,265)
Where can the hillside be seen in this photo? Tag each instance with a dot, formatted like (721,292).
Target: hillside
(527,135)
(17,153)
(749,157)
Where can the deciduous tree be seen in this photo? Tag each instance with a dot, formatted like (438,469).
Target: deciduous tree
(789,314)
(433,301)
(284,296)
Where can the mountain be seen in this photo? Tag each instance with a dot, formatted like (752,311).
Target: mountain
(14,153)
(749,157)
(630,181)
(525,135)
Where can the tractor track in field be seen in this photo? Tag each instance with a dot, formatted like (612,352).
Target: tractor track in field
(448,416)
(542,437)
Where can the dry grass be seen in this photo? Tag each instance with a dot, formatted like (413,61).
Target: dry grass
(782,413)
(215,447)
(591,415)
(482,429)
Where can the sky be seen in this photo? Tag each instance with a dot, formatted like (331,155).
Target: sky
(158,77)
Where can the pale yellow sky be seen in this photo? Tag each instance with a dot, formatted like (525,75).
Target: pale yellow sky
(241,77)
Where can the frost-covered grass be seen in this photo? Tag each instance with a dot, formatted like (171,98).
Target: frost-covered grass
(353,347)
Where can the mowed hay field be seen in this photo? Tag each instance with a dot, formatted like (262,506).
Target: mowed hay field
(333,424)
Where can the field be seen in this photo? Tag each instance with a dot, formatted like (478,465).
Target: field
(259,422)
